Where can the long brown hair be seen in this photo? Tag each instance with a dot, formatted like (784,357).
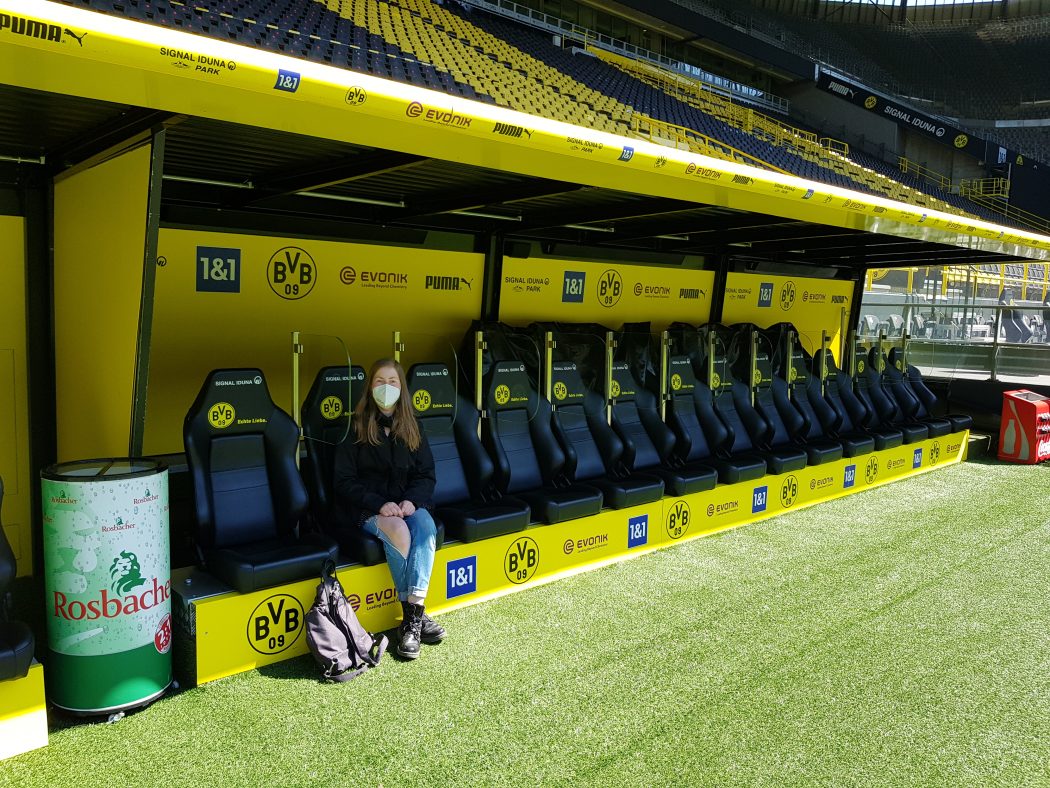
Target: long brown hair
(405,428)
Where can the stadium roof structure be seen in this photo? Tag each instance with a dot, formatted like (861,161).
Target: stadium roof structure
(253,138)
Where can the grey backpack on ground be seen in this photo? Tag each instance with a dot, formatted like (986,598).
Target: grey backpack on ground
(341,646)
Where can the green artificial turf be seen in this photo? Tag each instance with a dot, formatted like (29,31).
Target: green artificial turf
(896,637)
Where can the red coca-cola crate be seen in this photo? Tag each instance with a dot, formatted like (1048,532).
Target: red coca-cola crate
(1024,434)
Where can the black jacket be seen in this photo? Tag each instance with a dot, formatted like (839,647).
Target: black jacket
(368,476)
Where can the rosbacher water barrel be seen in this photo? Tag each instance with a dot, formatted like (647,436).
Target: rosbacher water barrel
(107,575)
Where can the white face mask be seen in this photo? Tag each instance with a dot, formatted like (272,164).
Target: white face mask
(385,395)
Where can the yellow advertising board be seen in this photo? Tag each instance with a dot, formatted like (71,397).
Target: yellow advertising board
(230,633)
(572,291)
(19,486)
(106,57)
(100,241)
(812,305)
(225,300)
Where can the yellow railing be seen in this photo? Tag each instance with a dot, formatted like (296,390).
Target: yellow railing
(835,146)
(985,187)
(993,194)
(679,136)
(1032,282)
(910,167)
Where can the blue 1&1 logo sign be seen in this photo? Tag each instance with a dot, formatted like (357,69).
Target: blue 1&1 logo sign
(759,498)
(218,270)
(462,577)
(850,477)
(637,531)
(573,288)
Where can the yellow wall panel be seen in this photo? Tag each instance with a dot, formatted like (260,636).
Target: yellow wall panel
(585,292)
(225,300)
(14,413)
(100,235)
(812,305)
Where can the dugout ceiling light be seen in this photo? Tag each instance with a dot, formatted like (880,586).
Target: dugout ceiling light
(347,198)
(485,215)
(589,228)
(23,160)
(209,182)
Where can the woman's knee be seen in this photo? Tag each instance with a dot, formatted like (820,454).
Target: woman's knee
(422,525)
(396,530)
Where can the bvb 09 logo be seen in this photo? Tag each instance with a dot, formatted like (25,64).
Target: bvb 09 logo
(331,407)
(561,391)
(421,400)
(871,471)
(502,394)
(221,415)
(522,560)
(610,288)
(787,296)
(275,624)
(291,273)
(677,520)
(789,491)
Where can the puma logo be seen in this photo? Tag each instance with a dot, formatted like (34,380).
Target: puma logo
(71,34)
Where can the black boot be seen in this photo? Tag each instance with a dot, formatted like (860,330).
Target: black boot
(431,631)
(411,624)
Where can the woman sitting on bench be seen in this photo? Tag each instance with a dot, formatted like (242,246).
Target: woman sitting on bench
(384,482)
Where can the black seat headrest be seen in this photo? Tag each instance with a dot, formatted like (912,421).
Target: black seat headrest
(723,378)
(233,401)
(876,360)
(801,363)
(763,376)
(433,390)
(680,376)
(331,398)
(896,359)
(624,385)
(508,387)
(567,386)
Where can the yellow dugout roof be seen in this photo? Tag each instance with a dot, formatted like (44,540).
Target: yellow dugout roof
(256,131)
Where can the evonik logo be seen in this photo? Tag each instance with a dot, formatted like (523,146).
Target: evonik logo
(443,117)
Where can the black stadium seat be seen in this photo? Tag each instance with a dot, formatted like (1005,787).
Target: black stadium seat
(696,427)
(250,498)
(649,443)
(593,450)
(16,639)
(896,383)
(732,401)
(771,439)
(528,460)
(823,421)
(465,499)
(850,412)
(876,396)
(324,427)
(790,427)
(927,399)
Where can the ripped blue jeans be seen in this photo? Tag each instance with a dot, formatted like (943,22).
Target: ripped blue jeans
(411,573)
